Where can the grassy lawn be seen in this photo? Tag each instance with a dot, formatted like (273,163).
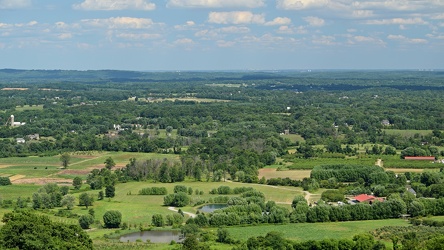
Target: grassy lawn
(315,231)
(27,107)
(407,132)
(294,137)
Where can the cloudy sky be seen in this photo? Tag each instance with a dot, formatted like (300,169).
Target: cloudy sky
(221,34)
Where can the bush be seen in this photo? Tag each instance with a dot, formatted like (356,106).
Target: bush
(157,220)
(153,191)
(112,219)
(180,199)
(4,181)
(85,221)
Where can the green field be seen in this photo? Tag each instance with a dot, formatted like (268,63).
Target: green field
(315,231)
(407,132)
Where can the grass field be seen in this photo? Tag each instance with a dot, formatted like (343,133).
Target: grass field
(407,132)
(81,164)
(27,107)
(299,163)
(315,231)
(294,138)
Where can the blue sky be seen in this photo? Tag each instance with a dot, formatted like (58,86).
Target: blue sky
(221,34)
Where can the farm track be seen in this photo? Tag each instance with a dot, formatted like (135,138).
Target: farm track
(187,213)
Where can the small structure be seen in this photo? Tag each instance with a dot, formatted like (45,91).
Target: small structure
(20,140)
(14,123)
(34,137)
(365,198)
(385,122)
(420,158)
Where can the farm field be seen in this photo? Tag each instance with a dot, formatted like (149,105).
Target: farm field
(315,231)
(37,169)
(407,132)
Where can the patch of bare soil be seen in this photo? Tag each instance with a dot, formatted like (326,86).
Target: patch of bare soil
(4,166)
(16,177)
(42,181)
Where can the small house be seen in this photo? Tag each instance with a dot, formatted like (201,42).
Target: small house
(20,140)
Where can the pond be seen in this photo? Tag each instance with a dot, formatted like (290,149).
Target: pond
(154,236)
(212,207)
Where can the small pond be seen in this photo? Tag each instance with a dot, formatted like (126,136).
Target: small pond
(212,207)
(153,236)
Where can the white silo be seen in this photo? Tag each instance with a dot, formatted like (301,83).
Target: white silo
(12,120)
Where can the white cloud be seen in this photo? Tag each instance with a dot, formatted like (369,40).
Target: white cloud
(398,5)
(314,21)
(235,17)
(362,13)
(120,23)
(300,4)
(398,21)
(279,21)
(324,40)
(187,25)
(216,3)
(225,44)
(115,5)
(403,39)
(222,32)
(184,41)
(14,4)
(135,36)
(365,39)
(64,36)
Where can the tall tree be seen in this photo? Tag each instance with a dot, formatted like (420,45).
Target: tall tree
(65,159)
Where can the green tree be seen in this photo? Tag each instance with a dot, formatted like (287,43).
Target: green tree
(86,200)
(112,219)
(77,182)
(110,191)
(109,163)
(26,230)
(157,220)
(65,159)
(68,201)
(85,221)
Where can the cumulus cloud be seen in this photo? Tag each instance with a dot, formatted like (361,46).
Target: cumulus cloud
(216,3)
(398,5)
(225,44)
(14,4)
(314,21)
(279,21)
(64,36)
(120,23)
(184,41)
(365,39)
(115,5)
(135,36)
(362,13)
(187,25)
(235,17)
(403,39)
(324,40)
(300,4)
(221,32)
(398,21)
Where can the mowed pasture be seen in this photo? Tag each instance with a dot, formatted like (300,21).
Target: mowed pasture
(315,231)
(407,132)
(81,163)
(269,173)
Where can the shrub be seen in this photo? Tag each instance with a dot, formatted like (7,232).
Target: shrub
(85,221)
(112,219)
